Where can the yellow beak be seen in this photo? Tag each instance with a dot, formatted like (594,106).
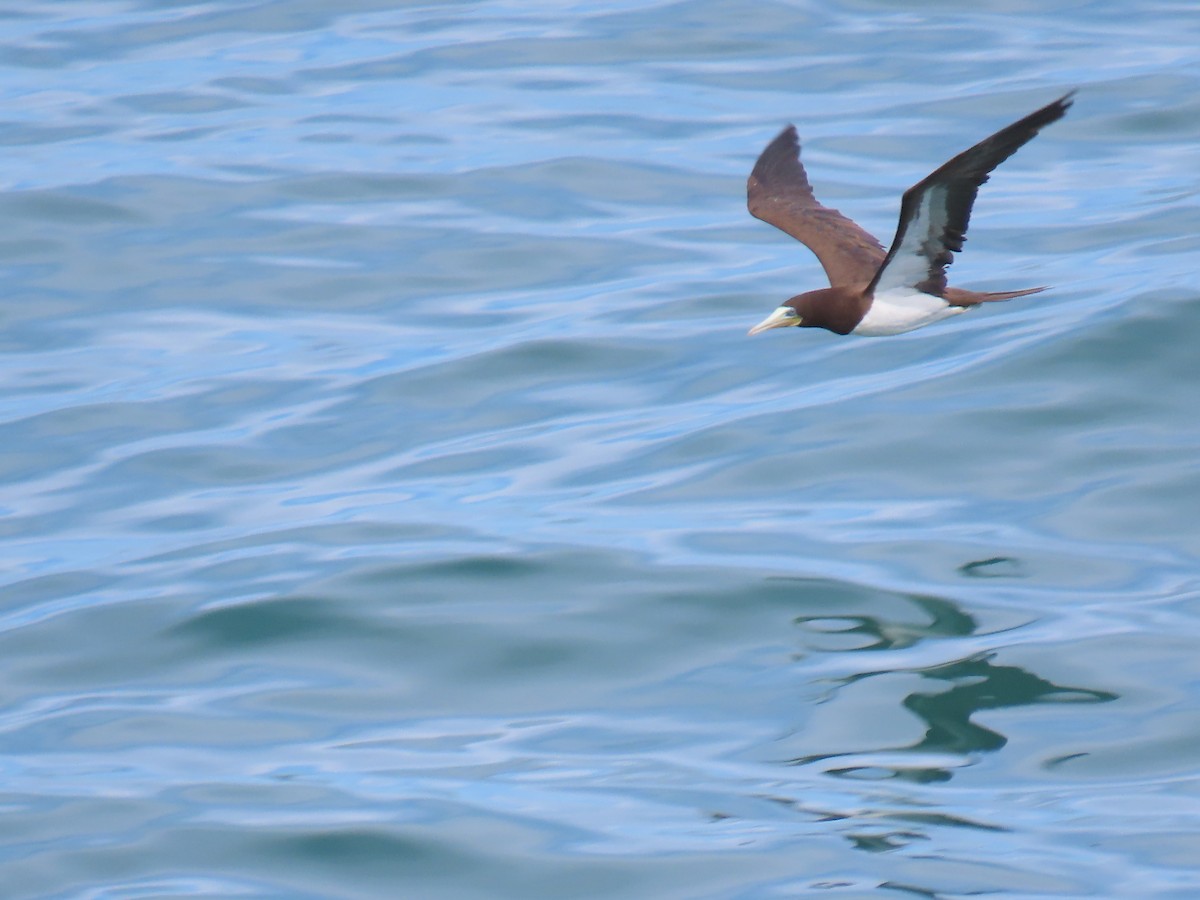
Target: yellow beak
(782,317)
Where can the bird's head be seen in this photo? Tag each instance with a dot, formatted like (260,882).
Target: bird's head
(837,309)
(791,313)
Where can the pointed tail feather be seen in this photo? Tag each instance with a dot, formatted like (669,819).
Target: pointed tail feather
(1008,295)
(960,297)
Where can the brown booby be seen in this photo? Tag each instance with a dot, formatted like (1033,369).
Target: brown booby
(870,292)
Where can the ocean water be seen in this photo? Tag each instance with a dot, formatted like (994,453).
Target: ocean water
(393,505)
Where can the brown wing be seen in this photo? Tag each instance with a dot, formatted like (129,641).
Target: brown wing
(778,192)
(936,211)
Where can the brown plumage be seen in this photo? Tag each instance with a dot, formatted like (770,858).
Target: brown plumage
(909,280)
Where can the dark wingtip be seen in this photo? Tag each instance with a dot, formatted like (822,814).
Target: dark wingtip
(786,143)
(1052,112)
(1067,100)
(780,158)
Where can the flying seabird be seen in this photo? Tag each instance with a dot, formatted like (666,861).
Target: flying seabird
(870,292)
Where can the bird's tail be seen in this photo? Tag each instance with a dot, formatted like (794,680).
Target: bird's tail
(960,297)
(989,297)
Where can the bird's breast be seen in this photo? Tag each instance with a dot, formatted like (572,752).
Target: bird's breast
(903,309)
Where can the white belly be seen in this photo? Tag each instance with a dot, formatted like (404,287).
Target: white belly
(904,309)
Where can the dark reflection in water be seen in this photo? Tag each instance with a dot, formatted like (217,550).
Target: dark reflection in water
(913,890)
(995,567)
(958,689)
(979,684)
(946,619)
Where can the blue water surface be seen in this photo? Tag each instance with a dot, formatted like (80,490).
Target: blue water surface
(394,506)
